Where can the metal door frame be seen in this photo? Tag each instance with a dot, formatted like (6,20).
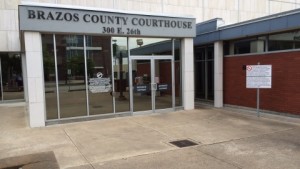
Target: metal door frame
(152,60)
(1,81)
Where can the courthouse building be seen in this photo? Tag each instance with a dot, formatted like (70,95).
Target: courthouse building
(82,60)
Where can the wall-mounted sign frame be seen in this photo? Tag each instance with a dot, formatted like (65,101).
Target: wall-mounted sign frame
(77,20)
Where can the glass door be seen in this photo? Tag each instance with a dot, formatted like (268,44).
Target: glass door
(163,80)
(152,83)
(141,80)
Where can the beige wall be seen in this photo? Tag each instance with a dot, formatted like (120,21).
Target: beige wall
(231,11)
(9,34)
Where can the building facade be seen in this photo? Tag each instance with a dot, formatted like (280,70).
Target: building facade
(223,53)
(52,57)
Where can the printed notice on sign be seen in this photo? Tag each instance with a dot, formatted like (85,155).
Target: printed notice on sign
(259,76)
(99,85)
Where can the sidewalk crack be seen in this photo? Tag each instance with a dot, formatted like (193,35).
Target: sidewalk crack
(235,165)
(78,148)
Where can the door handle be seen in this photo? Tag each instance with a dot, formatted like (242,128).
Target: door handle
(153,86)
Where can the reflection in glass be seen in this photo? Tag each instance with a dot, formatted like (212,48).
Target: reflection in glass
(150,46)
(49,77)
(163,79)
(210,72)
(11,80)
(71,75)
(178,81)
(200,73)
(204,72)
(99,74)
(121,75)
(284,41)
(142,98)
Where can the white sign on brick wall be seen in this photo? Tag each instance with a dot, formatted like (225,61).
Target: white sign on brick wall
(258,76)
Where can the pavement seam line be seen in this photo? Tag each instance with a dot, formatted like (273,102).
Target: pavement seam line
(222,160)
(134,156)
(264,134)
(264,116)
(78,148)
(147,127)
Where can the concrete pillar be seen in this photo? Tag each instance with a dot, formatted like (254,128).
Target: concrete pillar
(35,80)
(218,67)
(187,54)
(24,71)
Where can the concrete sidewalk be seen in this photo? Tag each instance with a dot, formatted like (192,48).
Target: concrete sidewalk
(225,139)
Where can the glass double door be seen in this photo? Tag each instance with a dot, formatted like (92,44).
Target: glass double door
(152,81)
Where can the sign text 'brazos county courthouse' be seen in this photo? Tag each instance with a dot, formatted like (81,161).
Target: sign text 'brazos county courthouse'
(37,18)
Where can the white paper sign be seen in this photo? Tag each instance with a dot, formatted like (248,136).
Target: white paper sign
(99,85)
(259,76)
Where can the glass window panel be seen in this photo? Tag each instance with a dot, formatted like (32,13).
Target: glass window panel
(284,41)
(204,73)
(200,79)
(177,69)
(163,79)
(210,80)
(49,76)
(11,76)
(252,45)
(99,74)
(121,74)
(71,75)
(142,98)
(242,47)
(150,46)
(210,53)
(199,53)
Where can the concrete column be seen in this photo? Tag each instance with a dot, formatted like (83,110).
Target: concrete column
(187,56)
(35,80)
(218,67)
(25,86)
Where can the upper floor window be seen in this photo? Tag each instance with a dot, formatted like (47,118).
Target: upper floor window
(284,41)
(243,46)
(273,42)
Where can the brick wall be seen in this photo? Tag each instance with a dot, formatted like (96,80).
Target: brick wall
(284,96)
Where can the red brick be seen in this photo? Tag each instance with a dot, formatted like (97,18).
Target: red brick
(284,96)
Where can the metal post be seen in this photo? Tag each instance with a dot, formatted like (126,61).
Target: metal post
(130,77)
(173,75)
(86,76)
(1,82)
(112,72)
(258,114)
(56,77)
(257,95)
(121,96)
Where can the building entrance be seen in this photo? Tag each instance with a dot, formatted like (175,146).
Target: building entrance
(91,68)
(152,83)
(92,75)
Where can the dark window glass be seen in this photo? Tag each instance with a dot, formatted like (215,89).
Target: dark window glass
(11,79)
(49,76)
(71,75)
(204,72)
(226,48)
(98,60)
(244,46)
(210,53)
(284,41)
(178,82)
(121,74)
(150,46)
(199,53)
(200,80)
